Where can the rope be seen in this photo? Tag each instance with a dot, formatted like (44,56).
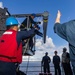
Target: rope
(27,65)
(34,42)
(26,46)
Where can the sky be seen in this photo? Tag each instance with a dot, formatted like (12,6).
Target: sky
(53,41)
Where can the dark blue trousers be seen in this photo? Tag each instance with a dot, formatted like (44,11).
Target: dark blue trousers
(57,69)
(46,68)
(7,68)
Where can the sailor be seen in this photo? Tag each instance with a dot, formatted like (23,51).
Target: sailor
(30,22)
(11,46)
(66,62)
(56,62)
(45,63)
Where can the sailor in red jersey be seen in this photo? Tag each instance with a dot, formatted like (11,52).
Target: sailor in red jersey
(11,46)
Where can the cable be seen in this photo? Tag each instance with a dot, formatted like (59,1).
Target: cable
(27,65)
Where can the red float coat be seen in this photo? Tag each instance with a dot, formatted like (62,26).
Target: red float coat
(9,49)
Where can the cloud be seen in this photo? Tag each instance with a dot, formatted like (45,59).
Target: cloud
(1,5)
(41,48)
(49,43)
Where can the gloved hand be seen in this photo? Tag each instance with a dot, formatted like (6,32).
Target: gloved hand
(38,33)
(38,22)
(37,27)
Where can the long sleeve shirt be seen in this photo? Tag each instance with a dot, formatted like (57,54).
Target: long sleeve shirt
(30,22)
(24,35)
(56,60)
(46,60)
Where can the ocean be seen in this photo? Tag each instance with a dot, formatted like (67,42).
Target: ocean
(34,68)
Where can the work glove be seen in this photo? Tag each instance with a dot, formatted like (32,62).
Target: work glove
(38,22)
(36,27)
(38,33)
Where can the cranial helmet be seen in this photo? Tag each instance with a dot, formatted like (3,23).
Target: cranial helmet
(11,21)
(33,15)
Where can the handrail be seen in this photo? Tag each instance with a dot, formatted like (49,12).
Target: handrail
(39,70)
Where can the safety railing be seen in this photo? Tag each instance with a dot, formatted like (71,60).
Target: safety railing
(35,70)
